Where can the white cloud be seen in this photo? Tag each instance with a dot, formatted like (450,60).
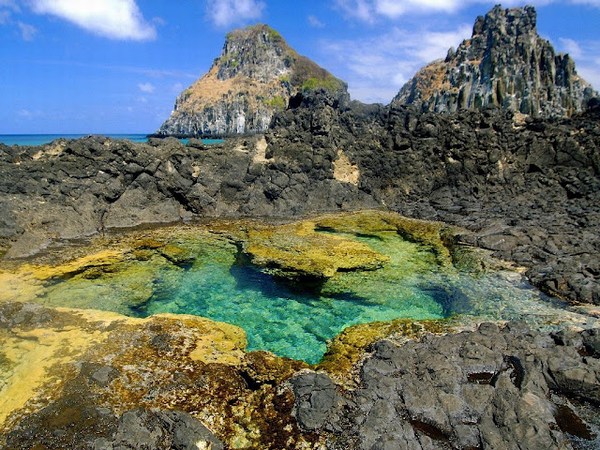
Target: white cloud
(27,114)
(28,32)
(115,19)
(377,67)
(370,10)
(147,88)
(586,55)
(314,22)
(224,13)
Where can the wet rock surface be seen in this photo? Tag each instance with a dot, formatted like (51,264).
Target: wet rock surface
(491,388)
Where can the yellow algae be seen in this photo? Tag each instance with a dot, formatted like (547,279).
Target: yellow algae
(19,287)
(216,342)
(348,347)
(297,250)
(431,234)
(34,356)
(101,258)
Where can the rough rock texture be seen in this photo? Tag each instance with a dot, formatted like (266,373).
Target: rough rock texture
(92,380)
(254,77)
(489,389)
(529,191)
(505,63)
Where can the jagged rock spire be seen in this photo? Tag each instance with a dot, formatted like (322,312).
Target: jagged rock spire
(506,64)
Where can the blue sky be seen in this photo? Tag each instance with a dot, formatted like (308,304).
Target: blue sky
(116,66)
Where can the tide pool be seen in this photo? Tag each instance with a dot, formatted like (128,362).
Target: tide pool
(200,272)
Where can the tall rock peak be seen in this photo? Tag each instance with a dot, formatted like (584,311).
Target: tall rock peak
(505,63)
(255,76)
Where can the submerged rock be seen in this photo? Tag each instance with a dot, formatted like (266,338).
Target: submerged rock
(297,252)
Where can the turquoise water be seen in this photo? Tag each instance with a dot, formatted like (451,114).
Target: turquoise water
(41,139)
(206,277)
(288,320)
(295,322)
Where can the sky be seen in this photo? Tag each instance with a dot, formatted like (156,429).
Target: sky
(116,66)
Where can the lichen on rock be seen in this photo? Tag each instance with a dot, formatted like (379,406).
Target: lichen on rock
(296,251)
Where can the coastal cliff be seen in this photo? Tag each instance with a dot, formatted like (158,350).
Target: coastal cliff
(253,78)
(504,64)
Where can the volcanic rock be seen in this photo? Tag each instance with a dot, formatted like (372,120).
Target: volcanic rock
(255,76)
(506,64)
(490,388)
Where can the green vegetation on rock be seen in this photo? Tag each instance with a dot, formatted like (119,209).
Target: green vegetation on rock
(277,102)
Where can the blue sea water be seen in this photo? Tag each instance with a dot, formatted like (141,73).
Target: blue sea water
(41,139)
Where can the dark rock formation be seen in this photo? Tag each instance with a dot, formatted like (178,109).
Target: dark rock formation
(70,423)
(255,75)
(505,63)
(493,388)
(528,191)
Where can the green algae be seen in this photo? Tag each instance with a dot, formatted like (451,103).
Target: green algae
(369,267)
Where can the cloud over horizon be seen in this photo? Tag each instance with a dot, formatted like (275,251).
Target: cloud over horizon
(224,13)
(114,19)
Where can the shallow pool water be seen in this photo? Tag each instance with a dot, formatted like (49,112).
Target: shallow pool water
(294,320)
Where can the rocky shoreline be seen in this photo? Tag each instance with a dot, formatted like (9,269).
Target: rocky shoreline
(527,191)
(187,382)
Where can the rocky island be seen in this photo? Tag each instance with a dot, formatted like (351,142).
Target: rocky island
(253,79)
(483,161)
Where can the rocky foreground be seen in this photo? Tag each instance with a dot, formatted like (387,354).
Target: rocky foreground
(185,382)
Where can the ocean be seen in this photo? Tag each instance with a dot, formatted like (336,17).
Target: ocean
(41,139)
